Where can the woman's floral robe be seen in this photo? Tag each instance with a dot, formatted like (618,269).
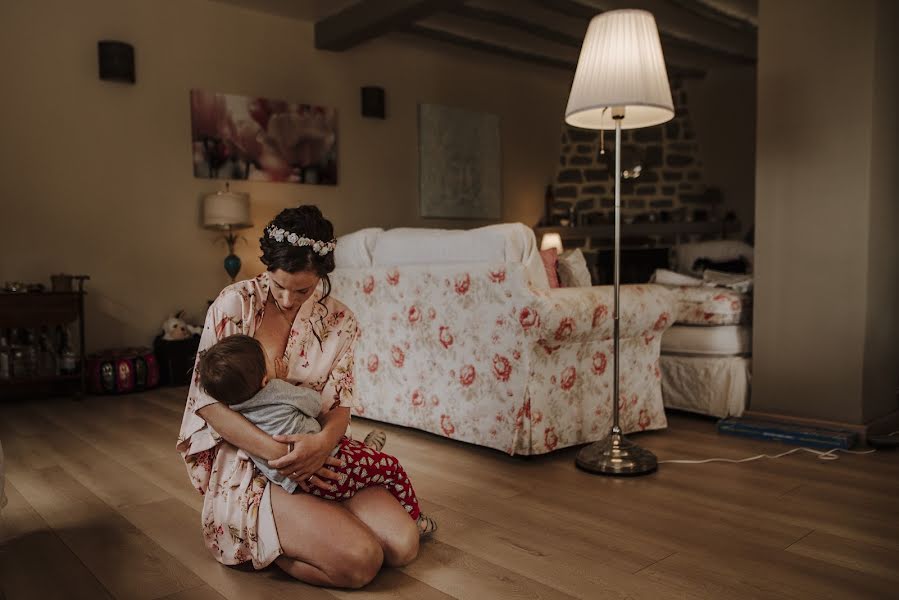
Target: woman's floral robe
(237,513)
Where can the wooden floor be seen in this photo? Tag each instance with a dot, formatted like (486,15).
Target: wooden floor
(100,506)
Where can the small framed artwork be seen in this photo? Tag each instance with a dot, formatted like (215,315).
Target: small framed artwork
(245,137)
(460,173)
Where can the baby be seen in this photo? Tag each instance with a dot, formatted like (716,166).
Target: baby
(234,372)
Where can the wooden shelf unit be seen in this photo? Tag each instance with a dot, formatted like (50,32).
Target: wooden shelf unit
(33,310)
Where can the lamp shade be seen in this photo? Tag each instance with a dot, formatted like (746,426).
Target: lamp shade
(226,209)
(621,65)
(551,240)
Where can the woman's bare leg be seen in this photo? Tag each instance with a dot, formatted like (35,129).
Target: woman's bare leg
(323,542)
(396,532)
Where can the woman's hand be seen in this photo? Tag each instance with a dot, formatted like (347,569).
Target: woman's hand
(308,461)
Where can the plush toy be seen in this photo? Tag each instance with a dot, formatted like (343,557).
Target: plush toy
(175,328)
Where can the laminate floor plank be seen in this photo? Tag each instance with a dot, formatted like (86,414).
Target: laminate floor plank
(204,592)
(176,527)
(34,561)
(121,557)
(393,584)
(107,477)
(162,469)
(851,554)
(776,574)
(589,535)
(545,556)
(467,577)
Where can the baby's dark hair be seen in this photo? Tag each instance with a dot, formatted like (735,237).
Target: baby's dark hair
(232,370)
(305,221)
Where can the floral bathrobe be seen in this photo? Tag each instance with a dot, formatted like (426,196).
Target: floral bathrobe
(237,512)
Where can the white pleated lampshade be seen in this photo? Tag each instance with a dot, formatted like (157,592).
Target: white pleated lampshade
(226,209)
(551,240)
(621,65)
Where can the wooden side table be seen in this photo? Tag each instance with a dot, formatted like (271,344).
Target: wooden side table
(34,311)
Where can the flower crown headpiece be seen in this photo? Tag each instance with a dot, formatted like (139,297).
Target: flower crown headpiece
(282,235)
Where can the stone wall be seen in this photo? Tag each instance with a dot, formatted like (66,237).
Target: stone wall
(671,185)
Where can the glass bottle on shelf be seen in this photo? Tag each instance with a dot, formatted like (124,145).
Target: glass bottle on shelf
(5,370)
(17,354)
(30,348)
(47,363)
(67,361)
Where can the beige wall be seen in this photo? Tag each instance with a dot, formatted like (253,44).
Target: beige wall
(96,177)
(818,211)
(722,107)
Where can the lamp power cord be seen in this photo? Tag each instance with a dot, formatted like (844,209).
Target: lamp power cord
(821,454)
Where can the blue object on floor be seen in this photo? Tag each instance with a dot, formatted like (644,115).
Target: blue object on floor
(788,433)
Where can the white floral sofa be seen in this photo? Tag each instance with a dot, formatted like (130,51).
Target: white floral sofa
(461,336)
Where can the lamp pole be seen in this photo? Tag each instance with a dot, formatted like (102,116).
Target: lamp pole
(616,455)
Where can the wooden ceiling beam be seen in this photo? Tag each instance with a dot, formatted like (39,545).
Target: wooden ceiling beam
(686,25)
(456,37)
(569,34)
(483,46)
(369,19)
(713,12)
(673,28)
(741,10)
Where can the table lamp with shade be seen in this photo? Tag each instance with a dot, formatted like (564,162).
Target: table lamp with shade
(228,212)
(551,240)
(621,71)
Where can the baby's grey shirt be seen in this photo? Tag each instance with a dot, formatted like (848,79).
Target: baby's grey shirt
(281,408)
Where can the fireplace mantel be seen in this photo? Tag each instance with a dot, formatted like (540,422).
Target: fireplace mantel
(607,230)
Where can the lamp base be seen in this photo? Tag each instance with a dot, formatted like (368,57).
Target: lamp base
(232,266)
(616,455)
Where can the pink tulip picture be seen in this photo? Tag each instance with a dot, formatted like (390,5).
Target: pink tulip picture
(239,137)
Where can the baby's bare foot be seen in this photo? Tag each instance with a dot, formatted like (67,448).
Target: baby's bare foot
(375,440)
(426,525)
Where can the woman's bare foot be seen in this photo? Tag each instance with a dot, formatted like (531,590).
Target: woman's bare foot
(375,440)
(426,525)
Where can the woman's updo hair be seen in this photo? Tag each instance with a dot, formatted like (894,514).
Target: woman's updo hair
(309,222)
(305,221)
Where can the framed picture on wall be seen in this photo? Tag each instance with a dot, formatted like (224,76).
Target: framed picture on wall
(460,174)
(246,137)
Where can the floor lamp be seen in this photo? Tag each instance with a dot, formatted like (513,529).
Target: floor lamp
(621,71)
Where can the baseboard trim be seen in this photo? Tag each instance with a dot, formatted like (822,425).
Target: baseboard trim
(885,424)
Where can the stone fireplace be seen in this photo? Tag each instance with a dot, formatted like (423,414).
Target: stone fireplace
(670,186)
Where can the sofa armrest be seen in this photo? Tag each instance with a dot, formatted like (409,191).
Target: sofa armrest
(565,315)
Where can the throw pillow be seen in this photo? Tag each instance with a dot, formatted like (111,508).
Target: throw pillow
(666,277)
(737,282)
(550,258)
(573,271)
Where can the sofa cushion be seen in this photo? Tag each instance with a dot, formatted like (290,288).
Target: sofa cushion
(550,258)
(723,340)
(506,242)
(354,250)
(411,246)
(573,270)
(711,306)
(521,246)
